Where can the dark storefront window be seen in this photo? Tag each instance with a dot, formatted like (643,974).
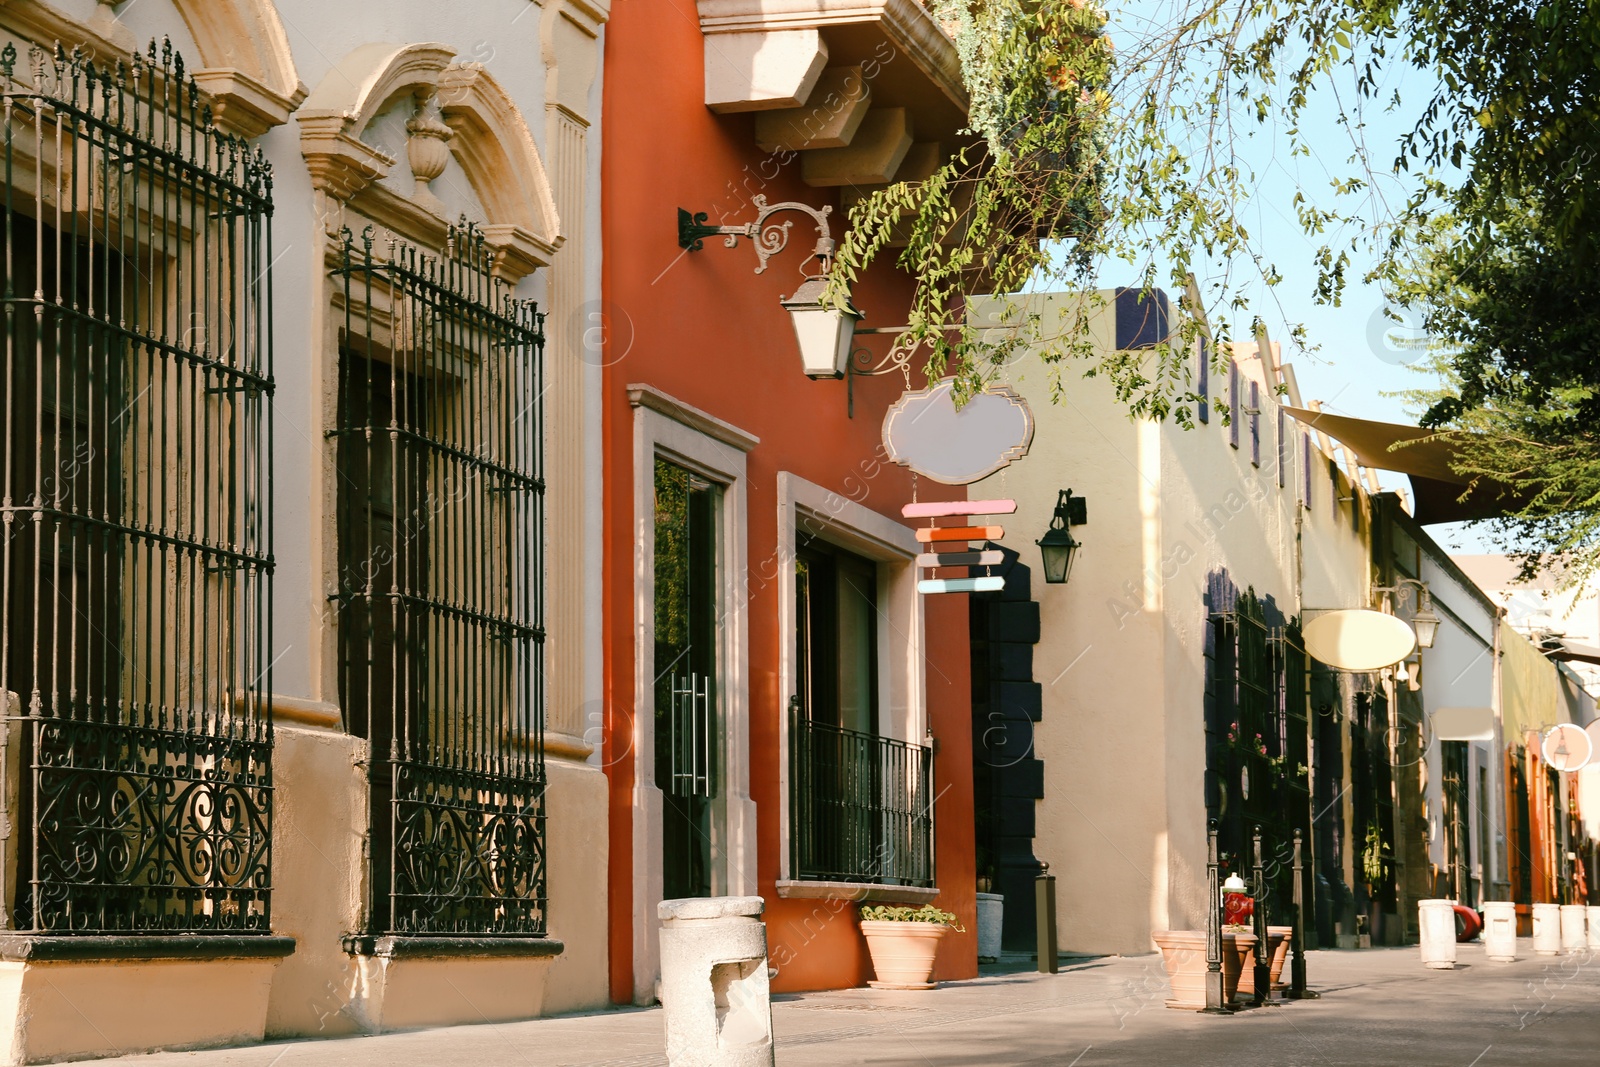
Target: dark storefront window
(861,803)
(687,696)
(1258,757)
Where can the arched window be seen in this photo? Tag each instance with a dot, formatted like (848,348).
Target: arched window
(437,439)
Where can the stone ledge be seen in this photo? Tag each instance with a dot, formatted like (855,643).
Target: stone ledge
(859,891)
(33,948)
(421,948)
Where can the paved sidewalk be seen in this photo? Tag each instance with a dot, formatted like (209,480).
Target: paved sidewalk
(1380,1007)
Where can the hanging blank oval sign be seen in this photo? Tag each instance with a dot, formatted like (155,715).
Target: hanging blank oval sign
(1567,747)
(925,431)
(1359,639)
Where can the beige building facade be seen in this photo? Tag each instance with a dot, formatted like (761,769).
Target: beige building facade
(1187,530)
(316,390)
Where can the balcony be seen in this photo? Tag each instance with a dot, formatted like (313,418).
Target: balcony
(861,812)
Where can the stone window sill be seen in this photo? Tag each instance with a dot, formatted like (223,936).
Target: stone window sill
(422,948)
(866,892)
(39,947)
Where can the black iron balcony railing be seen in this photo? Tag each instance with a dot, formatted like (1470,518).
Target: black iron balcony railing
(861,806)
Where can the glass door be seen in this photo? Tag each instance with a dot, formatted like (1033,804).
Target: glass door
(686,672)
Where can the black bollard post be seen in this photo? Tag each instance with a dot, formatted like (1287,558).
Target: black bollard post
(1258,915)
(1297,940)
(1216,992)
(1045,905)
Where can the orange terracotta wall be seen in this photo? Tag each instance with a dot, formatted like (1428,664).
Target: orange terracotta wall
(706,329)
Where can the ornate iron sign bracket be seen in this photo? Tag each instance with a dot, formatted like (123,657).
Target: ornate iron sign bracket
(768,238)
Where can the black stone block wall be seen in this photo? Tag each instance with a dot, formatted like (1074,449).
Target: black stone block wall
(1008,775)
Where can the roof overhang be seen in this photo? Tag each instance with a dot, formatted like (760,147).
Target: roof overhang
(1572,651)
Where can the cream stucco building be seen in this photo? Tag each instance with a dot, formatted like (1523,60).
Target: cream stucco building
(302,624)
(1174,685)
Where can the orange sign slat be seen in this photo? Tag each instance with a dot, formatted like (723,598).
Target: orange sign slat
(961,533)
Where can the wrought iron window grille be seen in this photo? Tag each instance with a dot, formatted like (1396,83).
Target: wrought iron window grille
(860,807)
(135,514)
(440,595)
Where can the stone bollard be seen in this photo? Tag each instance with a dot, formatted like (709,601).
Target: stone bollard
(1437,919)
(1500,930)
(1547,929)
(1574,928)
(1594,928)
(714,990)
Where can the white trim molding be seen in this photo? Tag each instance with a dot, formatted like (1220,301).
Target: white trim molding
(669,429)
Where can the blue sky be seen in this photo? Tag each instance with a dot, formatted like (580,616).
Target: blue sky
(1355,354)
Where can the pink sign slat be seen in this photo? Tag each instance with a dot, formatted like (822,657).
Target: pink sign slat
(936,508)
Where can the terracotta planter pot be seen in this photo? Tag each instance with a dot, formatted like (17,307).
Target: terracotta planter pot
(1277,945)
(1280,953)
(1242,983)
(902,952)
(1183,953)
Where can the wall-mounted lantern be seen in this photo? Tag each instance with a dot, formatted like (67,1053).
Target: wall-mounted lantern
(1057,548)
(1424,621)
(824,334)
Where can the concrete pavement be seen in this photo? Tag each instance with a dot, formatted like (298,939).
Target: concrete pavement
(1380,1007)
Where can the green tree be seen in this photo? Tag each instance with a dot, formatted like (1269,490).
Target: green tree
(1508,275)
(1085,154)
(1516,380)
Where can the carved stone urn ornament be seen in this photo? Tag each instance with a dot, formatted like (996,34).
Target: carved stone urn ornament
(428,147)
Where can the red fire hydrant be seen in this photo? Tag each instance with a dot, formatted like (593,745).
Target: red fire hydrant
(1238,907)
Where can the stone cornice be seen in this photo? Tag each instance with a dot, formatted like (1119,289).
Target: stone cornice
(44,25)
(653,399)
(906,24)
(340,164)
(591,14)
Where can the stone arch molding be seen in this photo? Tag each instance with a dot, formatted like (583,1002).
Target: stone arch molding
(248,70)
(243,63)
(459,108)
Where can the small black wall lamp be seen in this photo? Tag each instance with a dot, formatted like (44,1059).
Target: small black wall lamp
(1057,548)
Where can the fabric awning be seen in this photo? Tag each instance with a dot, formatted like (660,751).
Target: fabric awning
(1437,488)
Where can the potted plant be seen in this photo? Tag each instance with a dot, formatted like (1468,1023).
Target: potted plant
(1278,938)
(903,942)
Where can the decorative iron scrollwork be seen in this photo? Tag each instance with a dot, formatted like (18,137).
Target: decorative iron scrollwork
(767,237)
(150,830)
(468,852)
